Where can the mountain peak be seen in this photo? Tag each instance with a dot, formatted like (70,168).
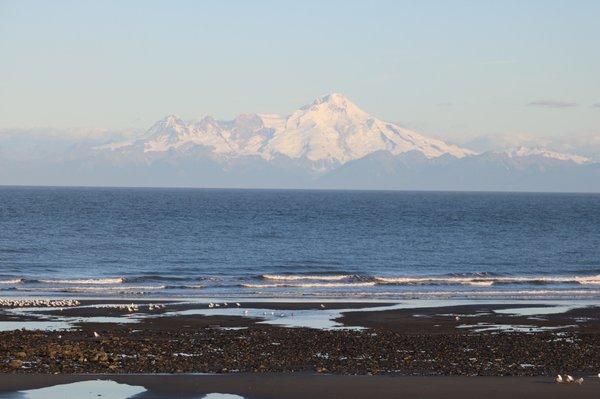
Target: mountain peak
(330,131)
(332,98)
(331,108)
(545,153)
(169,122)
(331,101)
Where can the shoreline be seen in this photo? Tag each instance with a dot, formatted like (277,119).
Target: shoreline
(302,385)
(516,339)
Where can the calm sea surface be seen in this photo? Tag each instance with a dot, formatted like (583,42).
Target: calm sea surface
(186,242)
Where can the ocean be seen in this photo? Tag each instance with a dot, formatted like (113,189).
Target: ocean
(138,242)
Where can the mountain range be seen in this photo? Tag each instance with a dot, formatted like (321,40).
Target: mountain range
(329,143)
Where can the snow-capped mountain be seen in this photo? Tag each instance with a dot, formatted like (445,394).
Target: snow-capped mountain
(545,153)
(328,132)
(329,143)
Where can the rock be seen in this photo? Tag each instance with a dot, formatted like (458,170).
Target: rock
(15,364)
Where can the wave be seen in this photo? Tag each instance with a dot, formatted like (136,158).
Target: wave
(83,289)
(12,281)
(153,277)
(514,294)
(184,287)
(311,285)
(89,281)
(300,277)
(489,281)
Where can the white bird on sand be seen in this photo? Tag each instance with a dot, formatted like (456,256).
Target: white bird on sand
(237,304)
(96,335)
(569,378)
(322,306)
(579,381)
(210,305)
(558,379)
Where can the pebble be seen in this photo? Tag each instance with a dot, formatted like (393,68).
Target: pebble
(364,352)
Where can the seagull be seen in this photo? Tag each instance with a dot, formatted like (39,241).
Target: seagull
(558,379)
(225,304)
(569,378)
(579,381)
(210,305)
(237,304)
(96,335)
(456,318)
(322,306)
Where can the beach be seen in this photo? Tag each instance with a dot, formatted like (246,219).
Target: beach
(517,339)
(384,349)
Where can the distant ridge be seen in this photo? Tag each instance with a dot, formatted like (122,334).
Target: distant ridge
(328,143)
(329,131)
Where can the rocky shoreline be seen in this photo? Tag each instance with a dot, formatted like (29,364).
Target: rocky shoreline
(417,342)
(273,349)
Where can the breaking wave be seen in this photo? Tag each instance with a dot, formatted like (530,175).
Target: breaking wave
(12,281)
(88,289)
(87,281)
(311,285)
(489,281)
(300,277)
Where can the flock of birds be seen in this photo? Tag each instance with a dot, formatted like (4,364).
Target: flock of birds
(135,308)
(237,304)
(569,379)
(225,304)
(38,303)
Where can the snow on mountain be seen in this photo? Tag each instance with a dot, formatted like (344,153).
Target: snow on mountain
(333,128)
(330,131)
(545,153)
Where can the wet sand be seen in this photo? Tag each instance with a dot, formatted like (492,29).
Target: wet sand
(303,385)
(446,319)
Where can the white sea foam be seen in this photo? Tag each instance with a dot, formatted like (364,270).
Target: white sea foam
(488,281)
(312,285)
(12,281)
(83,289)
(86,281)
(491,294)
(300,277)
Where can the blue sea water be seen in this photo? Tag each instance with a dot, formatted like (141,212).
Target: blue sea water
(290,243)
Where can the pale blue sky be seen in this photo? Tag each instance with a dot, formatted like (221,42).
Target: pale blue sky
(447,68)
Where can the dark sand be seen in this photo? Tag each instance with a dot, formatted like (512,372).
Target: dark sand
(421,341)
(303,385)
(443,319)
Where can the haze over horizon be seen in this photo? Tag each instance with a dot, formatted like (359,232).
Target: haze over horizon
(530,73)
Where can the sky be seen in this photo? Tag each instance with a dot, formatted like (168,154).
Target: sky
(452,69)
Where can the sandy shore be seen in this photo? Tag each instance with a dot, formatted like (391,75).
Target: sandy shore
(302,386)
